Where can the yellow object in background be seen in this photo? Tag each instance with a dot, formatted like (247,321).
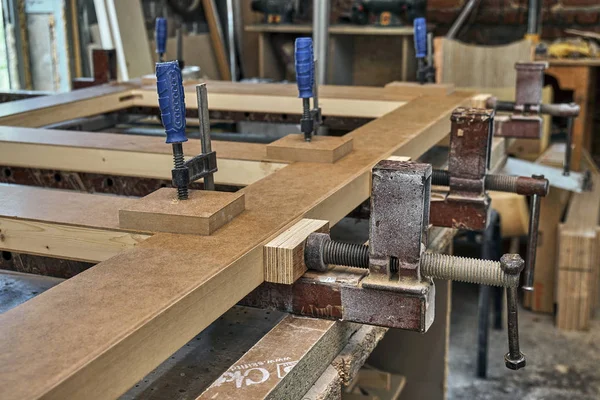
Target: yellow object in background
(571,48)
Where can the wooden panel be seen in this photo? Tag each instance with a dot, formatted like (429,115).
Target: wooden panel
(321,149)
(201,214)
(467,65)
(284,255)
(514,214)
(146,300)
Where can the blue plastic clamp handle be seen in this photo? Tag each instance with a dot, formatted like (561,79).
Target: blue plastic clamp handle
(171,100)
(160,32)
(420,27)
(305,67)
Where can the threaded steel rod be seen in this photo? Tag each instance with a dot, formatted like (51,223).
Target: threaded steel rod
(306,116)
(182,191)
(439,266)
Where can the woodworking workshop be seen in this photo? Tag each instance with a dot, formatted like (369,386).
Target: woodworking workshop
(300,199)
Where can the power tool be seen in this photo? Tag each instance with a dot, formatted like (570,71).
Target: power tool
(276,11)
(387,12)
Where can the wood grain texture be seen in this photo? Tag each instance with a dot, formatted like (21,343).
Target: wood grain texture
(64,224)
(47,110)
(269,103)
(494,65)
(152,299)
(578,255)
(201,214)
(284,255)
(126,155)
(321,149)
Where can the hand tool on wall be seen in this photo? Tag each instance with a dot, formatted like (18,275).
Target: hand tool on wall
(398,290)
(171,101)
(423,52)
(525,121)
(160,37)
(307,87)
(467,204)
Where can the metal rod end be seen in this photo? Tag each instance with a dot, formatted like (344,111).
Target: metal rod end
(527,288)
(515,363)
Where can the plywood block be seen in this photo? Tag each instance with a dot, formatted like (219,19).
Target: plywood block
(202,214)
(322,149)
(284,255)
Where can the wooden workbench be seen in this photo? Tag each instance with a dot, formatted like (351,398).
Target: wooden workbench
(129,313)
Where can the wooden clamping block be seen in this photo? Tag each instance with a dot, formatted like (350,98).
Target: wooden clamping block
(284,255)
(322,149)
(202,214)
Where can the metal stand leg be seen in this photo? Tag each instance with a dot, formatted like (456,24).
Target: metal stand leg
(491,249)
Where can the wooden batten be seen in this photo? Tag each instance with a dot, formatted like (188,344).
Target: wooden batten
(284,255)
(202,214)
(321,149)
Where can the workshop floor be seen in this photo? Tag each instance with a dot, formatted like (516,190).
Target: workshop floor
(560,365)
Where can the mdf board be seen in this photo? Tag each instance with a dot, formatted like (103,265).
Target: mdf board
(467,65)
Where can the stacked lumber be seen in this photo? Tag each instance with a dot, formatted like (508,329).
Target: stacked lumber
(579,257)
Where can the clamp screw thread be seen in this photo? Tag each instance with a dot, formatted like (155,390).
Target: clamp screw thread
(470,270)
(182,191)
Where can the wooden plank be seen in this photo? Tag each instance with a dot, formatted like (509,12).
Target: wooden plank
(69,225)
(285,363)
(216,35)
(321,149)
(578,257)
(146,300)
(514,213)
(495,64)
(284,255)
(239,164)
(47,110)
(283,104)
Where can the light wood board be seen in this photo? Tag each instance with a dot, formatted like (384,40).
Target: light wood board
(151,300)
(63,224)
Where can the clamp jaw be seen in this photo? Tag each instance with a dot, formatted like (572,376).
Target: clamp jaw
(466,205)
(171,100)
(525,120)
(423,52)
(307,87)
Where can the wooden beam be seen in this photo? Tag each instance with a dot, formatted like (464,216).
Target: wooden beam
(64,224)
(46,110)
(240,164)
(151,300)
(274,104)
